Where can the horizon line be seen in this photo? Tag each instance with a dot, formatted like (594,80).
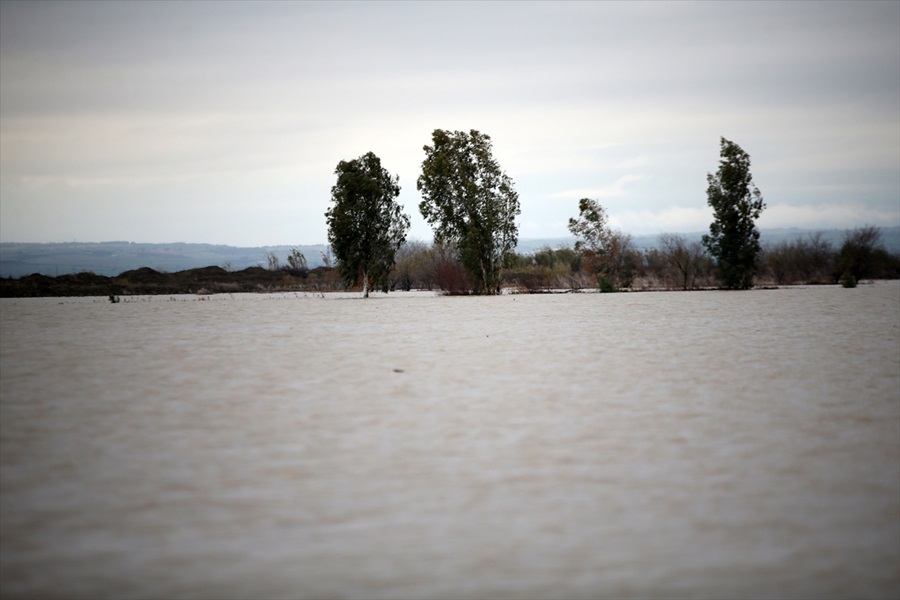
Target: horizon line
(521,238)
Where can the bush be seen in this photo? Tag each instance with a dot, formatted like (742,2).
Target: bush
(801,261)
(606,286)
(451,278)
(863,256)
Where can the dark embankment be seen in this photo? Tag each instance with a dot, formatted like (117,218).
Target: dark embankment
(146,281)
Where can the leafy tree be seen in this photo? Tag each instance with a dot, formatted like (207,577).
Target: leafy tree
(733,239)
(470,203)
(365,224)
(602,249)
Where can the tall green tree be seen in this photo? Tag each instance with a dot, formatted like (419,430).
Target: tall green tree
(366,225)
(470,203)
(733,238)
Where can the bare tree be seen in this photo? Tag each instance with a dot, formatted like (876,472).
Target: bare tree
(412,266)
(820,259)
(861,254)
(802,260)
(683,258)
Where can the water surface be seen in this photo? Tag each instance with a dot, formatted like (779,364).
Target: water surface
(703,444)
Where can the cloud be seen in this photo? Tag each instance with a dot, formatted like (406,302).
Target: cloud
(121,104)
(668,220)
(828,216)
(777,216)
(613,190)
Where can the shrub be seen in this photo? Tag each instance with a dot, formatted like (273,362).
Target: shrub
(450,277)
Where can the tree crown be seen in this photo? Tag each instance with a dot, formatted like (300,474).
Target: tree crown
(365,225)
(469,202)
(736,202)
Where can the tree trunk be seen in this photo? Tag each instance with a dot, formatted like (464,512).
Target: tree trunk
(365,283)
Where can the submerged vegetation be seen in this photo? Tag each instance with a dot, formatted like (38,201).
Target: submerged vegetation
(675,263)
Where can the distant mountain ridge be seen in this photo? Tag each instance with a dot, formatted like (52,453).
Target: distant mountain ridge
(113,258)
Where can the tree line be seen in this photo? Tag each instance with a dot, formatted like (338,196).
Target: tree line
(471,205)
(674,263)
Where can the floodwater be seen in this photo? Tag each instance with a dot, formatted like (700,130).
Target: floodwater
(635,445)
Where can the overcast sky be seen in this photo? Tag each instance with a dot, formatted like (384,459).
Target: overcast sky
(223,122)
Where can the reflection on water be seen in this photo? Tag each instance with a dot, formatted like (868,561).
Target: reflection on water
(710,444)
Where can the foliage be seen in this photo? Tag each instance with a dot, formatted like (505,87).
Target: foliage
(561,268)
(733,239)
(544,270)
(408,262)
(862,255)
(450,277)
(414,266)
(272,260)
(296,260)
(604,251)
(470,203)
(591,228)
(366,225)
(814,260)
(624,263)
(565,258)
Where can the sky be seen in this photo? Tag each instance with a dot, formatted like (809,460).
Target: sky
(223,122)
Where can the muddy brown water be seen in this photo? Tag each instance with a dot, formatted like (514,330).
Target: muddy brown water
(635,445)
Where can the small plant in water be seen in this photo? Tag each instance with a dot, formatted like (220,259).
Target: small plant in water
(848,280)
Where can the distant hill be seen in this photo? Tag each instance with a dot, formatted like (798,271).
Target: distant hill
(113,258)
